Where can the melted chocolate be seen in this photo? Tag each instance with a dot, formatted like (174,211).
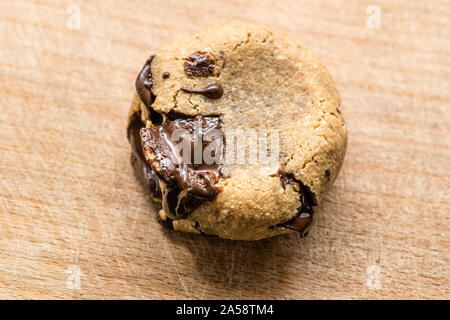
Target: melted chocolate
(142,170)
(166,75)
(213,90)
(200,65)
(188,181)
(304,219)
(144,83)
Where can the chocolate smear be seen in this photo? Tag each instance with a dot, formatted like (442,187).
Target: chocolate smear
(188,180)
(213,90)
(142,170)
(304,218)
(144,83)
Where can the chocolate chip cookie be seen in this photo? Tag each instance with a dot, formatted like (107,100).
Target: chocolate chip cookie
(236,132)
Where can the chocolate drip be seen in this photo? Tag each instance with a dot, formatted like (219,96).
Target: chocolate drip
(187,182)
(213,90)
(304,219)
(144,83)
(142,170)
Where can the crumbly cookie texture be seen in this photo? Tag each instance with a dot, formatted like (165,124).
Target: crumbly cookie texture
(269,82)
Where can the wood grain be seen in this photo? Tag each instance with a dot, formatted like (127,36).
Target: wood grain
(74,222)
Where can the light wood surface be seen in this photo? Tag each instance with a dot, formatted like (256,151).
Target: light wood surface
(75,223)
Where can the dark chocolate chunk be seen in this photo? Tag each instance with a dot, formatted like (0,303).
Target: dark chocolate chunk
(327,173)
(142,170)
(166,75)
(304,218)
(301,223)
(189,179)
(155,117)
(213,90)
(200,65)
(144,83)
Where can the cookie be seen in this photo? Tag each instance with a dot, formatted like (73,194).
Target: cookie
(236,132)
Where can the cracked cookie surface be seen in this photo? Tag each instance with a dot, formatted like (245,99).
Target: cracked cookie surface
(267,82)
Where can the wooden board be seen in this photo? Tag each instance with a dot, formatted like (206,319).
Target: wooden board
(75,223)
